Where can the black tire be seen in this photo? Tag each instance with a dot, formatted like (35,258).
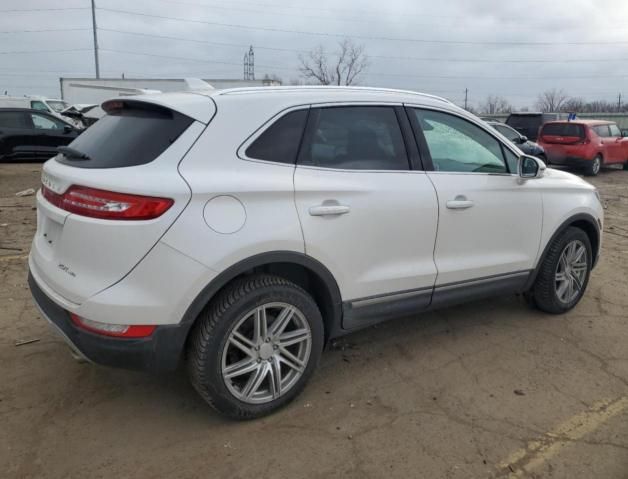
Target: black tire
(214,325)
(594,166)
(626,166)
(543,294)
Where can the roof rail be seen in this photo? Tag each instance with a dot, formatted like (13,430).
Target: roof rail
(230,91)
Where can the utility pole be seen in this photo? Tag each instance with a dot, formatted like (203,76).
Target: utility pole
(466,97)
(95,39)
(619,103)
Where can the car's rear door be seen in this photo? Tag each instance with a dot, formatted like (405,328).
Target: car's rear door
(609,148)
(489,226)
(17,140)
(365,213)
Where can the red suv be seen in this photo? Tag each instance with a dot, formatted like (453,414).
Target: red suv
(587,144)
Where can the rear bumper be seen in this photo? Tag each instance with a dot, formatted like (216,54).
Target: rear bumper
(572,161)
(160,352)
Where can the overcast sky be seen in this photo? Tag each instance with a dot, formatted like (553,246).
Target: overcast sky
(515,49)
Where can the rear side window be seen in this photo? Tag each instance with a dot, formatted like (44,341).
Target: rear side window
(355,138)
(132,134)
(12,119)
(563,129)
(602,130)
(280,142)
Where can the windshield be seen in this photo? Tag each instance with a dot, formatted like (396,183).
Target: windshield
(57,105)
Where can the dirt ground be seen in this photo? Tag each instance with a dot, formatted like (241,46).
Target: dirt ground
(489,389)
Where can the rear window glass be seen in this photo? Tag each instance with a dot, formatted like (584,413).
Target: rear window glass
(563,129)
(280,142)
(130,136)
(525,121)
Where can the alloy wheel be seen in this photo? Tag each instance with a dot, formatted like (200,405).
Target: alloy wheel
(266,353)
(571,271)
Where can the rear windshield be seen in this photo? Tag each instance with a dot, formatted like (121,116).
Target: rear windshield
(563,129)
(525,121)
(130,135)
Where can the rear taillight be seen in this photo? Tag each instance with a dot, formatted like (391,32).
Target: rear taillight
(114,330)
(109,205)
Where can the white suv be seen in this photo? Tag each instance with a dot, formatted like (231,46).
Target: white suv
(238,231)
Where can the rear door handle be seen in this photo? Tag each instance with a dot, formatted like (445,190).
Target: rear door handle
(459,203)
(329,210)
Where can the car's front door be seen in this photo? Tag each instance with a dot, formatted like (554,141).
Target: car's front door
(364,212)
(618,144)
(489,226)
(50,134)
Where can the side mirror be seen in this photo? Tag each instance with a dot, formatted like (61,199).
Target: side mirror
(530,167)
(523,139)
(67,129)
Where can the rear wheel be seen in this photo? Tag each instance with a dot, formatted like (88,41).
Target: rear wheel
(564,273)
(626,165)
(594,167)
(256,345)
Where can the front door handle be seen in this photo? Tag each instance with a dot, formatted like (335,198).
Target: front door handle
(329,210)
(459,203)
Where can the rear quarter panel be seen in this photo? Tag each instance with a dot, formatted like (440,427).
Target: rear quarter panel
(265,191)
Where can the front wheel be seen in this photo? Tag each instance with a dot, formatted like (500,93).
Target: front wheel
(255,346)
(594,167)
(564,273)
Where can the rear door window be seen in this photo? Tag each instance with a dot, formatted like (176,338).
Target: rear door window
(355,138)
(280,142)
(563,129)
(131,134)
(12,119)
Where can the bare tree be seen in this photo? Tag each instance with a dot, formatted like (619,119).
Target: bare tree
(495,104)
(552,100)
(574,105)
(343,67)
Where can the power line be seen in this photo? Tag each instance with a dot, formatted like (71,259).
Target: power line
(31,10)
(387,57)
(46,30)
(401,75)
(363,37)
(215,6)
(47,51)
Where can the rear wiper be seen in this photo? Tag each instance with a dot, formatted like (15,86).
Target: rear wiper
(72,154)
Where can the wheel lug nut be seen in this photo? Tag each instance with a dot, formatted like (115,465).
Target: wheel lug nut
(268,340)
(259,360)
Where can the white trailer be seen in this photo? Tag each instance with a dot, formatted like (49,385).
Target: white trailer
(91,90)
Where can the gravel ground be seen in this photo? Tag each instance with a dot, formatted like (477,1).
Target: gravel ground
(489,389)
